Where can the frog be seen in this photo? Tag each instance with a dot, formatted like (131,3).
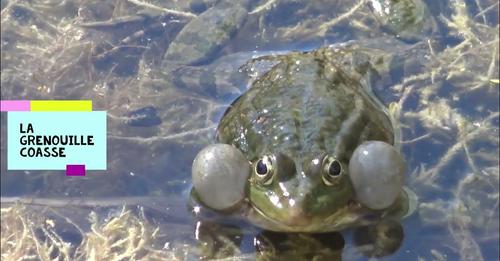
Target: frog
(208,35)
(197,32)
(308,147)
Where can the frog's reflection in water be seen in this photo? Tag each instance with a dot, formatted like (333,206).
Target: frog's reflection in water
(379,240)
(224,241)
(299,246)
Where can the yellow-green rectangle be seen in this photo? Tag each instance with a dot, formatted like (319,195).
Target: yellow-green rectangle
(65,105)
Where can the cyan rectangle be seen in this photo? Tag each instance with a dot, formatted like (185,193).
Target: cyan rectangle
(80,125)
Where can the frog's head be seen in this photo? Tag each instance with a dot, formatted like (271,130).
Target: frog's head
(300,193)
(315,193)
(322,191)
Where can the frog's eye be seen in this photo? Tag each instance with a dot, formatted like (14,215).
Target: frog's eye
(264,169)
(332,171)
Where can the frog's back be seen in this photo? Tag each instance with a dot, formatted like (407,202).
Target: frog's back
(308,102)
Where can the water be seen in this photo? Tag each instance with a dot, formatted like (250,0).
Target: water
(157,121)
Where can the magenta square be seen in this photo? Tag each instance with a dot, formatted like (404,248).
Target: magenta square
(75,170)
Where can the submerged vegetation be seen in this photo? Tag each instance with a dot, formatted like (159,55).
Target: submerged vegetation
(103,51)
(28,235)
(456,123)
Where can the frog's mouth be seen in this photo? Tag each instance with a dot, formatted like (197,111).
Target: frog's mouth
(339,220)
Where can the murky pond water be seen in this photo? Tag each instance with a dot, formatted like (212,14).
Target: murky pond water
(166,71)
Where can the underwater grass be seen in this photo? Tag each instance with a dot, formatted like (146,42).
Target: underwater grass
(29,236)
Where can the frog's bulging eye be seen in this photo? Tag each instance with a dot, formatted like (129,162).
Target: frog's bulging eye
(261,168)
(335,168)
(332,171)
(264,169)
